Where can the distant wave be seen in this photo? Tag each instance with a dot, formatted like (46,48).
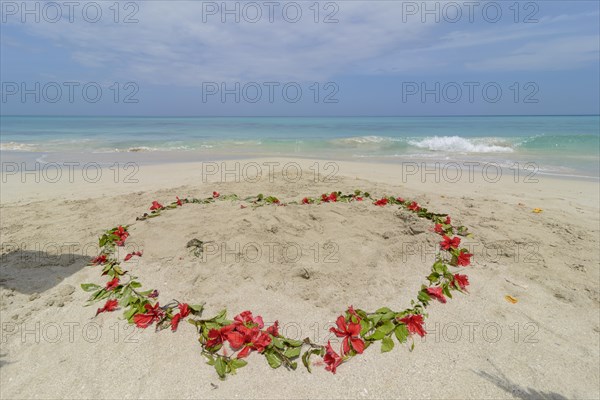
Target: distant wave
(457,144)
(358,140)
(14,146)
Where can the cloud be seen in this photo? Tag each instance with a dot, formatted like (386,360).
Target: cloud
(172,45)
(556,54)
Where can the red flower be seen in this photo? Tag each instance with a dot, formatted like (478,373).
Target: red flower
(122,234)
(184,311)
(350,332)
(464,258)
(245,318)
(101,259)
(400,200)
(448,243)
(110,285)
(437,293)
(109,306)
(414,206)
(461,281)
(154,294)
(438,228)
(331,358)
(358,198)
(155,206)
(136,253)
(218,336)
(305,200)
(448,220)
(154,313)
(331,198)
(414,323)
(257,341)
(274,329)
(179,202)
(215,195)
(381,202)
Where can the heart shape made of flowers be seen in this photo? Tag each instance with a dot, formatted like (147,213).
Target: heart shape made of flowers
(247,333)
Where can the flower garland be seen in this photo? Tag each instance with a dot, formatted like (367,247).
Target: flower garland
(246,333)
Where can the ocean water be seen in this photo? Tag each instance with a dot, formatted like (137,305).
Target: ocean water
(568,145)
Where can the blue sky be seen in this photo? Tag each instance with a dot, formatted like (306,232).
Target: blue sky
(370,58)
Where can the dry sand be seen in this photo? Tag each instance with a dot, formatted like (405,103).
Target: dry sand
(479,345)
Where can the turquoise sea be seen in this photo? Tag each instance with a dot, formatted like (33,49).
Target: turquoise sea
(567,145)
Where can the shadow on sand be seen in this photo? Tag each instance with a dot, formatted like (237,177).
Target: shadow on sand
(30,272)
(518,391)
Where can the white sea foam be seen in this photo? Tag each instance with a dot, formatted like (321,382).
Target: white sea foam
(457,144)
(14,146)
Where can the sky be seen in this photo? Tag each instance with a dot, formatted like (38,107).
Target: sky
(303,58)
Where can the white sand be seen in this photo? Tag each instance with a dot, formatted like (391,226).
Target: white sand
(479,345)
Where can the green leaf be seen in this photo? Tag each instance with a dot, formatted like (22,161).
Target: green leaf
(387,344)
(210,358)
(365,327)
(277,342)
(402,333)
(424,297)
(382,331)
(89,287)
(292,352)
(292,342)
(221,367)
(238,363)
(273,360)
(196,307)
(383,310)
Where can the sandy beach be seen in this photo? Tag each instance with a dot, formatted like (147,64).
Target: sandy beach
(479,345)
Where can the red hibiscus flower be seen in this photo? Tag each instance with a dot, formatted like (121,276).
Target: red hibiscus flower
(331,198)
(184,311)
(156,206)
(122,234)
(464,258)
(400,200)
(414,206)
(216,194)
(436,292)
(350,332)
(461,281)
(218,336)
(414,323)
(247,319)
(154,313)
(448,220)
(331,358)
(438,228)
(101,259)
(257,341)
(448,243)
(136,253)
(179,202)
(274,329)
(305,200)
(110,285)
(109,306)
(381,202)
